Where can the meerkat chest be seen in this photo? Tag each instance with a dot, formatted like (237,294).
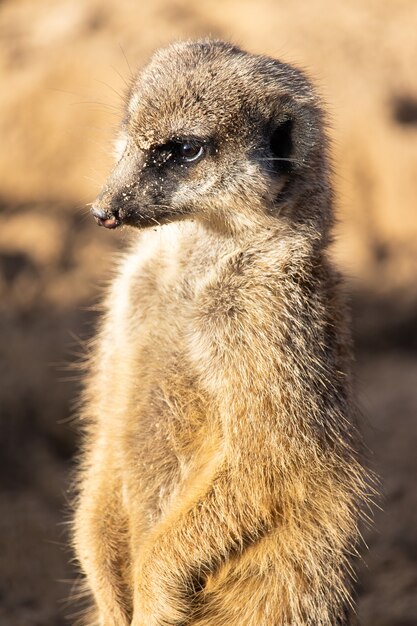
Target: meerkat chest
(167,407)
(170,283)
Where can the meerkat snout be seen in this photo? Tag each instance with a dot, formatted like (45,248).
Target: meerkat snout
(225,147)
(103,218)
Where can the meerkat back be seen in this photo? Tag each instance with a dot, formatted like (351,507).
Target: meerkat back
(220,482)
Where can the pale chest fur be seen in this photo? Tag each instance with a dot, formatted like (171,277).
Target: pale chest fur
(166,423)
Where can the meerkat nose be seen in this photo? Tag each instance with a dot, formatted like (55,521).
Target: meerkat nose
(104,219)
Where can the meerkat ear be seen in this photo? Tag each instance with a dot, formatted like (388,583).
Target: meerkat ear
(281,145)
(295,134)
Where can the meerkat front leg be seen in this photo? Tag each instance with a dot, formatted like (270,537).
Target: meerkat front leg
(171,569)
(101,541)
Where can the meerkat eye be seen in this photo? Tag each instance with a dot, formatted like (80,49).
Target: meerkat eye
(190,151)
(180,150)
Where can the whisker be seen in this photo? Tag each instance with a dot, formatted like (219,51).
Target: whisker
(105,105)
(285,160)
(118,93)
(127,61)
(279,159)
(120,76)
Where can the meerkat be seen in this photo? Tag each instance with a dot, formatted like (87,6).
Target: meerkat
(221,481)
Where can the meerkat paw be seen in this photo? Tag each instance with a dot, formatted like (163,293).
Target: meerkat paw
(159,600)
(160,611)
(117,618)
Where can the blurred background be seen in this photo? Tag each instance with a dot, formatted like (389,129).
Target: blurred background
(64,65)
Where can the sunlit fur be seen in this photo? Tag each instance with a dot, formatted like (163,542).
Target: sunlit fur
(220,483)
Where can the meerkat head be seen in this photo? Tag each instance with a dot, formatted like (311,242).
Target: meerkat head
(215,134)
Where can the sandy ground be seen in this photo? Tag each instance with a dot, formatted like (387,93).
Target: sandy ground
(59,63)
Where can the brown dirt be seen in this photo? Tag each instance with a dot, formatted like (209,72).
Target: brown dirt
(59,63)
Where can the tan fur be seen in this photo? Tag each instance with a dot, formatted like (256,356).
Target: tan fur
(220,483)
